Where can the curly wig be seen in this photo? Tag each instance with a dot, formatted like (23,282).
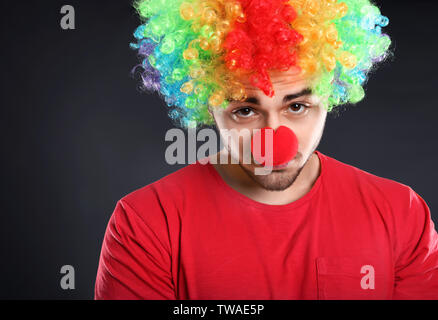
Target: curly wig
(194,51)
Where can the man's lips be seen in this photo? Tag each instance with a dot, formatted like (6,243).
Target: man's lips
(281,166)
(276,167)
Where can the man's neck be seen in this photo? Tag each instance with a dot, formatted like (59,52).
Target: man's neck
(237,179)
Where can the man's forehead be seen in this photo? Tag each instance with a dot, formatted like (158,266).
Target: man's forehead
(279,79)
(283,82)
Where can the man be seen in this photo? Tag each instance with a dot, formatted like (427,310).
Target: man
(312,228)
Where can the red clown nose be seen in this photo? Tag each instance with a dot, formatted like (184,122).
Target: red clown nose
(284,145)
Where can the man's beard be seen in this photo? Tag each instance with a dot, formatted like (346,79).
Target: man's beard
(277,180)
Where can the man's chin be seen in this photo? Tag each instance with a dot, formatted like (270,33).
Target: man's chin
(278,179)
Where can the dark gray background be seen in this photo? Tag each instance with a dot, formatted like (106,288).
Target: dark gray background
(77,135)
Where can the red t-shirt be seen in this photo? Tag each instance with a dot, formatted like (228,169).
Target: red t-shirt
(190,235)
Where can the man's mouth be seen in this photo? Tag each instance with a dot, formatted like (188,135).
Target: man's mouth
(276,167)
(281,166)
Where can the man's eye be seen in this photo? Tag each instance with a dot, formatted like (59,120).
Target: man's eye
(244,112)
(297,108)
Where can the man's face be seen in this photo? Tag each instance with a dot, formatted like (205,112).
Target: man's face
(293,106)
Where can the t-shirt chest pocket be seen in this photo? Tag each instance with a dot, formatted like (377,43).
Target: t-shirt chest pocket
(347,278)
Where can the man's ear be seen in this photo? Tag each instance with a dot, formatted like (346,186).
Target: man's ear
(210,111)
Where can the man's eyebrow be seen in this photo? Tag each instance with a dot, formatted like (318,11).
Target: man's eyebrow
(286,98)
(293,96)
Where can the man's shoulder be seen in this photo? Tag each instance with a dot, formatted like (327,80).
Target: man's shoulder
(173,186)
(153,211)
(350,177)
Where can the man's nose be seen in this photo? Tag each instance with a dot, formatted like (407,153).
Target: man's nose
(282,148)
(272,121)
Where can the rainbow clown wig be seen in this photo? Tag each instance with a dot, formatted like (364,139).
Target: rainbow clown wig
(194,50)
